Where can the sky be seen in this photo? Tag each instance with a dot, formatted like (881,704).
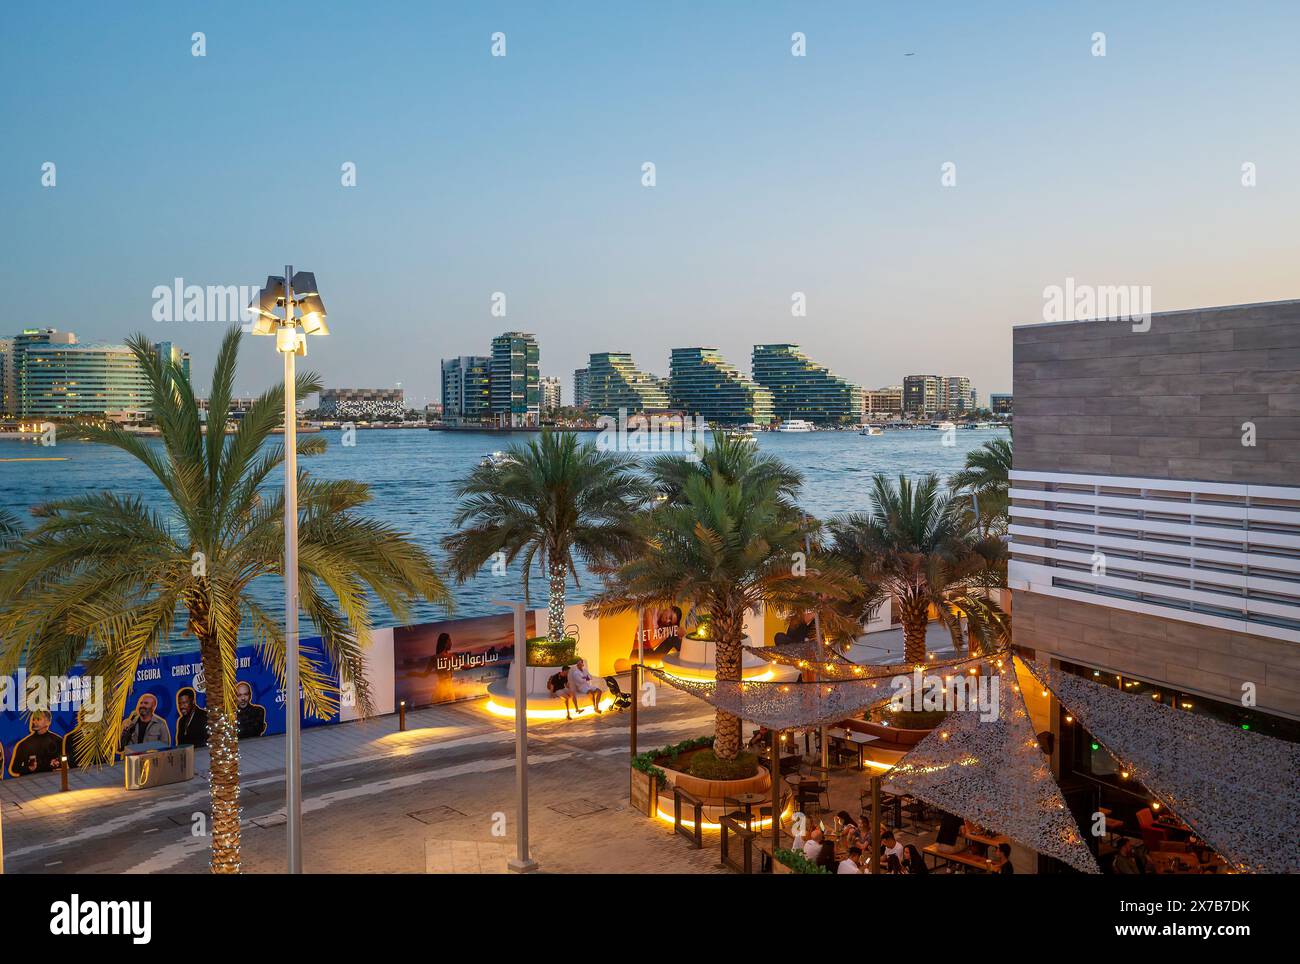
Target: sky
(523,173)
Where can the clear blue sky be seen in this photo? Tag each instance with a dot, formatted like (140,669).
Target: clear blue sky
(522,174)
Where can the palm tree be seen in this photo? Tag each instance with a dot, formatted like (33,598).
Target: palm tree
(724,545)
(987,474)
(102,576)
(9,527)
(549,501)
(915,546)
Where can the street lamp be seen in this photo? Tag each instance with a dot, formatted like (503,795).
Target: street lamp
(299,303)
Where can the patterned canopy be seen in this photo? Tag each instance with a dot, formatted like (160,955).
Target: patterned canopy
(785,706)
(993,773)
(837,667)
(1239,791)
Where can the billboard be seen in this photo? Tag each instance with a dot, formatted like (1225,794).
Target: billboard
(454,659)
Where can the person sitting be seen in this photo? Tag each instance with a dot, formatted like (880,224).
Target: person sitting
(914,861)
(826,856)
(851,863)
(580,683)
(892,864)
(1125,861)
(1002,859)
(846,827)
(890,846)
(949,829)
(558,685)
(812,847)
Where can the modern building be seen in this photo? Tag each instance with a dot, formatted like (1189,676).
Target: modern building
(702,383)
(466,389)
(168,353)
(59,380)
(363,403)
(803,389)
(8,404)
(15,362)
(581,388)
(883,401)
(925,396)
(551,397)
(1155,517)
(614,382)
(1000,403)
(515,381)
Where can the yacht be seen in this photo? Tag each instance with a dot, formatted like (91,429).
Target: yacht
(796,425)
(872,430)
(944,426)
(495,460)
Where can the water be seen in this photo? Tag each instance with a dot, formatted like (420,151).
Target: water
(412,474)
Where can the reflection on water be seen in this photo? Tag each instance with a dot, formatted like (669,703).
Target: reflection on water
(413,473)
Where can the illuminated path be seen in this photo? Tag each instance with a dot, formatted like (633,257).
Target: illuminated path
(373,800)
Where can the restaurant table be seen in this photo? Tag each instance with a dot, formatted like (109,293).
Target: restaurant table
(751,800)
(988,840)
(859,740)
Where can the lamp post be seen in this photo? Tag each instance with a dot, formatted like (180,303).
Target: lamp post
(299,302)
(523,862)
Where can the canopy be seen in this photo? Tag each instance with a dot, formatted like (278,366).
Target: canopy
(1239,791)
(838,667)
(785,706)
(992,772)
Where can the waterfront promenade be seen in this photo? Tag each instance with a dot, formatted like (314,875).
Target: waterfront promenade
(376,800)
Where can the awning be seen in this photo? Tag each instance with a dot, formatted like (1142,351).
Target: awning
(993,773)
(1239,791)
(785,706)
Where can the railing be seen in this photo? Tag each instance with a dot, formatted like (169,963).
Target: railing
(694,834)
(742,861)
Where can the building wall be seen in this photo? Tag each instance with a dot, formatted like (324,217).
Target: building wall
(1166,403)
(1129,452)
(1199,659)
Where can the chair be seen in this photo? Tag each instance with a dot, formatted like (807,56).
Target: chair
(736,811)
(1152,835)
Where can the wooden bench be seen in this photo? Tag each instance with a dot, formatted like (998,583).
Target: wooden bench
(961,859)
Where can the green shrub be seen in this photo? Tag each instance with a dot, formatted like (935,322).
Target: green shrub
(706,765)
(645,762)
(797,862)
(542,651)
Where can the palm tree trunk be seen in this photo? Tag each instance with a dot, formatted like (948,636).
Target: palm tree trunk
(555,610)
(915,616)
(729,629)
(223,765)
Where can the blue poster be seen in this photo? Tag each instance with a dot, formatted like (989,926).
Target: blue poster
(166,708)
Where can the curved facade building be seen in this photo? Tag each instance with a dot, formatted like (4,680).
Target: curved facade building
(702,383)
(614,382)
(803,389)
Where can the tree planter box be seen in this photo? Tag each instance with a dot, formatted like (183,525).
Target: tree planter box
(645,793)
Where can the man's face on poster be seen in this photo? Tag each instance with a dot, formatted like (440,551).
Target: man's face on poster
(147,705)
(41,723)
(184,703)
(243,695)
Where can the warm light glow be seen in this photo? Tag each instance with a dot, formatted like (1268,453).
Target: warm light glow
(508,712)
(764,823)
(757,674)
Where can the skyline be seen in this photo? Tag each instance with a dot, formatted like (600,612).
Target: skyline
(522,174)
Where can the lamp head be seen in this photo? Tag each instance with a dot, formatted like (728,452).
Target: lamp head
(304,283)
(313,314)
(263,307)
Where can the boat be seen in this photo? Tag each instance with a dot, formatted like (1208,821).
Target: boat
(872,430)
(944,426)
(740,433)
(796,425)
(495,460)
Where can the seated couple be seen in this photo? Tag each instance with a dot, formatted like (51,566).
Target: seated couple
(571,683)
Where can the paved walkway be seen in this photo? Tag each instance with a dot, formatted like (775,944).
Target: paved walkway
(377,800)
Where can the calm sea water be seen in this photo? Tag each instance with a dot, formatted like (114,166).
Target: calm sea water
(413,473)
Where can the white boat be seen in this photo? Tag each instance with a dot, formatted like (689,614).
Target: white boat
(796,425)
(495,460)
(872,430)
(944,426)
(740,433)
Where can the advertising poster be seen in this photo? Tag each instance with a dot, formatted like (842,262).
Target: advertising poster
(455,659)
(660,633)
(167,706)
